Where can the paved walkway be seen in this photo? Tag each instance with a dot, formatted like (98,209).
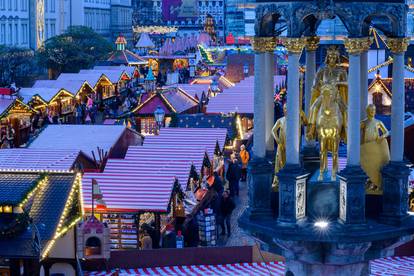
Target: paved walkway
(238,237)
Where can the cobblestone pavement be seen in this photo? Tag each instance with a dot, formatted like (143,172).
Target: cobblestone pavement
(238,237)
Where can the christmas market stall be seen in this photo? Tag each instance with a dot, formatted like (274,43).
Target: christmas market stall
(97,142)
(380,94)
(132,71)
(38,213)
(14,122)
(56,160)
(238,102)
(100,83)
(80,88)
(172,101)
(154,182)
(53,100)
(143,188)
(119,80)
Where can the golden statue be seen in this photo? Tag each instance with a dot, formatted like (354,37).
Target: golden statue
(326,120)
(279,134)
(374,149)
(332,73)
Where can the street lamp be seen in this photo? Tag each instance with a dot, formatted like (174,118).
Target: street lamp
(214,86)
(246,69)
(159,115)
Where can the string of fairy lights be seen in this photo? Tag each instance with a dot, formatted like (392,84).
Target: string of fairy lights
(61,228)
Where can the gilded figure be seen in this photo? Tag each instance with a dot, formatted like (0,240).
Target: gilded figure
(332,73)
(279,134)
(328,124)
(374,149)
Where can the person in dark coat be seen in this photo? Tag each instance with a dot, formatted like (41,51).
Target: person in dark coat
(233,176)
(169,238)
(226,208)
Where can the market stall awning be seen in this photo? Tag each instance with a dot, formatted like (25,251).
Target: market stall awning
(386,266)
(144,180)
(208,138)
(171,100)
(130,70)
(11,105)
(114,76)
(86,138)
(74,86)
(25,159)
(238,98)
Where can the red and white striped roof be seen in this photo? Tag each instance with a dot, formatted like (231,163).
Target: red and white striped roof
(402,266)
(144,180)
(238,98)
(189,137)
(37,159)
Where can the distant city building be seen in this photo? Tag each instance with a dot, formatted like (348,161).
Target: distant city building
(188,15)
(235,18)
(28,23)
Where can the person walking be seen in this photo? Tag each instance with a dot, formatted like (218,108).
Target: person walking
(244,156)
(233,176)
(226,208)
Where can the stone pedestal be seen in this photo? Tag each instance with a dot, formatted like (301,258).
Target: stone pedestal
(352,181)
(322,198)
(324,259)
(292,194)
(259,178)
(311,159)
(395,196)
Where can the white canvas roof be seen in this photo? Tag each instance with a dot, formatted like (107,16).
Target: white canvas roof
(85,138)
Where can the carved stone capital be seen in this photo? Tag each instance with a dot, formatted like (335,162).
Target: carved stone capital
(398,44)
(356,46)
(264,44)
(294,45)
(312,43)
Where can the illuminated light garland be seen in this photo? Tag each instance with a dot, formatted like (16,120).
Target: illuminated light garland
(60,231)
(35,171)
(387,62)
(39,185)
(239,126)
(155,29)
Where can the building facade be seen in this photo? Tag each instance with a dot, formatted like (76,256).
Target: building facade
(28,23)
(188,15)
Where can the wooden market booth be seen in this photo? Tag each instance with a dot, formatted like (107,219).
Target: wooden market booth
(15,113)
(80,89)
(152,181)
(96,142)
(112,82)
(171,100)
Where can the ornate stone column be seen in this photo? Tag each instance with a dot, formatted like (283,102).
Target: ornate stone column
(259,169)
(269,46)
(364,84)
(395,174)
(353,178)
(309,150)
(398,47)
(312,44)
(292,178)
(294,47)
(259,131)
